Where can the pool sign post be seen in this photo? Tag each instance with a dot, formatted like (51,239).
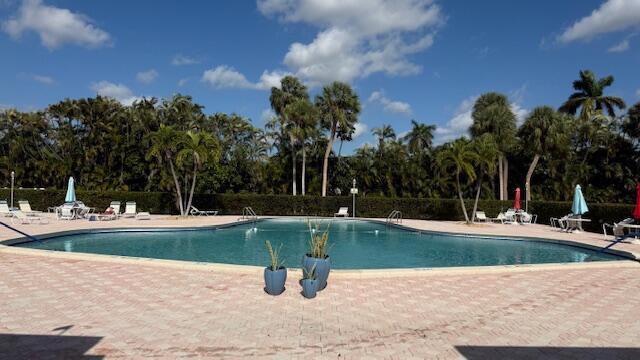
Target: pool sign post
(13,178)
(354,191)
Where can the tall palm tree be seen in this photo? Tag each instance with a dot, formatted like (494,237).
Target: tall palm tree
(339,107)
(384,133)
(164,147)
(487,150)
(420,137)
(492,114)
(303,115)
(458,158)
(197,147)
(590,98)
(539,135)
(291,90)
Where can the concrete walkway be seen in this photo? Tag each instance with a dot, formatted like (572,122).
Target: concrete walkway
(56,307)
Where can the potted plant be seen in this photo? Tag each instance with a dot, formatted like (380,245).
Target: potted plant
(317,257)
(309,283)
(275,275)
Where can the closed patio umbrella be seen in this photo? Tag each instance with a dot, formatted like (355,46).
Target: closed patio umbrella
(516,205)
(579,206)
(71,192)
(636,211)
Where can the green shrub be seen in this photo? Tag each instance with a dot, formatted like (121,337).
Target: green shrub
(370,206)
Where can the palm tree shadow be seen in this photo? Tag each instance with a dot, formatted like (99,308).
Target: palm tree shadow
(547,352)
(28,346)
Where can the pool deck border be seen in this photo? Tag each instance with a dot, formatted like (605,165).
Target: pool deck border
(6,247)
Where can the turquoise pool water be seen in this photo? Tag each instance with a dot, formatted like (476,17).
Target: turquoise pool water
(354,244)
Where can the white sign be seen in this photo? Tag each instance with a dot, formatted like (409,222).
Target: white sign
(354,191)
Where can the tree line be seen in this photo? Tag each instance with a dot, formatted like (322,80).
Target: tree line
(173,145)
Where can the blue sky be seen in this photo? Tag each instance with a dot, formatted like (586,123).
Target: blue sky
(407,59)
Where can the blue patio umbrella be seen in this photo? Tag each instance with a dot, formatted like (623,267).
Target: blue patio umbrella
(579,206)
(71,192)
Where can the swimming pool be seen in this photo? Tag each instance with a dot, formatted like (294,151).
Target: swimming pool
(354,244)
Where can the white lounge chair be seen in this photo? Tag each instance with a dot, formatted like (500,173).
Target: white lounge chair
(195,212)
(4,209)
(481,216)
(616,228)
(527,218)
(130,209)
(20,217)
(143,215)
(343,211)
(25,207)
(66,212)
(116,207)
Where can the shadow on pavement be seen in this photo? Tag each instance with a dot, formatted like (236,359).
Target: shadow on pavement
(27,346)
(543,352)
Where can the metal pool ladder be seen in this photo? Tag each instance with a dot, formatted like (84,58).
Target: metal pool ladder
(248,213)
(396,216)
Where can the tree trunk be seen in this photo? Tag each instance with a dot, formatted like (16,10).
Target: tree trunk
(464,209)
(506,178)
(177,184)
(527,182)
(295,174)
(325,164)
(304,169)
(193,187)
(475,204)
(500,178)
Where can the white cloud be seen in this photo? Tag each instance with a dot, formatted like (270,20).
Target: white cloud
(360,129)
(116,91)
(461,120)
(183,82)
(147,77)
(224,76)
(353,45)
(620,47)
(180,60)
(266,115)
(48,80)
(389,105)
(55,26)
(613,15)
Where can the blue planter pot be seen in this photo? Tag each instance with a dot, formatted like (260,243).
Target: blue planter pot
(274,280)
(309,288)
(323,266)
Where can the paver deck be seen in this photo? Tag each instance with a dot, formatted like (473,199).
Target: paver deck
(54,307)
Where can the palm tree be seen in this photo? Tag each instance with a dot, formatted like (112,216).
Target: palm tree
(339,107)
(197,147)
(420,137)
(384,133)
(290,91)
(492,114)
(487,150)
(589,96)
(539,135)
(303,115)
(163,147)
(458,157)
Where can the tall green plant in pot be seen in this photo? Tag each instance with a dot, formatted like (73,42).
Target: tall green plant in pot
(317,257)
(275,275)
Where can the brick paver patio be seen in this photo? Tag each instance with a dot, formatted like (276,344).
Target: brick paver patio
(53,307)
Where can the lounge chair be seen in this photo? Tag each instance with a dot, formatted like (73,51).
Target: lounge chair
(527,218)
(574,223)
(25,207)
(20,217)
(195,212)
(617,228)
(143,215)
(481,216)
(66,212)
(4,209)
(130,209)
(116,207)
(82,210)
(343,211)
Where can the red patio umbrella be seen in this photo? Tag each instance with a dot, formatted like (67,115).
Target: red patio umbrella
(517,203)
(636,211)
